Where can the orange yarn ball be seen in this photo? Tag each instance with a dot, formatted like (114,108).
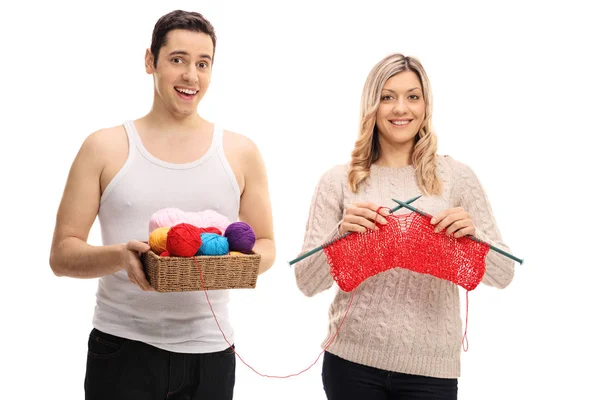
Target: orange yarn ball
(158,240)
(183,240)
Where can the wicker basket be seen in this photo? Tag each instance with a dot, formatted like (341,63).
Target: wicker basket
(180,274)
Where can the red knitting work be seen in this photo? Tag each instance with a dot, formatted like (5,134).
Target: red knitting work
(406,241)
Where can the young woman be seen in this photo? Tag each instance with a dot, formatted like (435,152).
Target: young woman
(402,336)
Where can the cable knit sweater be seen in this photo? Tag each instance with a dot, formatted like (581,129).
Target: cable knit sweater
(399,320)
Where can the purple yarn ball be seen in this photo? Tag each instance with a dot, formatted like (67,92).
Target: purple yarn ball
(241,237)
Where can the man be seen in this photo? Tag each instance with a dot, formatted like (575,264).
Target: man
(145,344)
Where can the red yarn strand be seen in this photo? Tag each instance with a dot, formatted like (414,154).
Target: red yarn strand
(240,357)
(407,241)
(465,339)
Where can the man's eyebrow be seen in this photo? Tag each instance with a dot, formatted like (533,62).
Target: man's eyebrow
(185,53)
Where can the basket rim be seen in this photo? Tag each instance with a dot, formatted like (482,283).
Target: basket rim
(227,256)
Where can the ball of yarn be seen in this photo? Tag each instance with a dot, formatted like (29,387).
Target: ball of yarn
(235,253)
(183,240)
(158,240)
(166,217)
(207,218)
(213,245)
(211,229)
(241,237)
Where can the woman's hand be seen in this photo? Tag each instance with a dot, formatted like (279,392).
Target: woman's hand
(362,216)
(456,221)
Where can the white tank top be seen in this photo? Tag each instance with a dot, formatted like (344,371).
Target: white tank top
(182,321)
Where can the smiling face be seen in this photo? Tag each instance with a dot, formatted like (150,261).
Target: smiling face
(401,110)
(182,72)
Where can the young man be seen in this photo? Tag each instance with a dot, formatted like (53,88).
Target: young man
(145,344)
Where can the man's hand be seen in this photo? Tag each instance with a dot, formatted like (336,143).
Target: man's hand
(130,261)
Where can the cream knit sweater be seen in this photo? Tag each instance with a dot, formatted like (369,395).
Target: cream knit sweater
(399,320)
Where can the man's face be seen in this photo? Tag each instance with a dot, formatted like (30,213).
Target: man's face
(183,70)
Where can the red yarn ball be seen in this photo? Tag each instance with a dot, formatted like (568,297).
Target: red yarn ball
(183,240)
(211,229)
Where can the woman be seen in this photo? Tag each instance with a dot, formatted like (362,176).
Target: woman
(402,336)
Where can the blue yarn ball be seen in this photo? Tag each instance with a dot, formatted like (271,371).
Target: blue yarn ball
(213,245)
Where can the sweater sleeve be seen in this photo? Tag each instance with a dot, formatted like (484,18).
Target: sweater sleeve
(472,197)
(326,212)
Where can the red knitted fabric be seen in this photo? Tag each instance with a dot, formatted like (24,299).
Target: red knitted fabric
(406,241)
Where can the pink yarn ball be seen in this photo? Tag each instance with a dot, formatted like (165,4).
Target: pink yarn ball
(166,217)
(206,219)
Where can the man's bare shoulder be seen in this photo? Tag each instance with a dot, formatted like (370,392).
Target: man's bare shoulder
(240,143)
(105,142)
(107,137)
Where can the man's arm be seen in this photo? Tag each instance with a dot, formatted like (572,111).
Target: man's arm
(70,253)
(255,205)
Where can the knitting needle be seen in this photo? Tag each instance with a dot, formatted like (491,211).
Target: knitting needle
(520,261)
(313,251)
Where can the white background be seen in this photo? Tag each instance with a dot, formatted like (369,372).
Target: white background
(515,97)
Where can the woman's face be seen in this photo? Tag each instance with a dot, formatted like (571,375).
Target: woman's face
(401,111)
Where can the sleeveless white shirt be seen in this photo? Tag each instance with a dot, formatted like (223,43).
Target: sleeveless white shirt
(180,322)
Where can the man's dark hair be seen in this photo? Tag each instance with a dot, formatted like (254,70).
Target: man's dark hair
(178,19)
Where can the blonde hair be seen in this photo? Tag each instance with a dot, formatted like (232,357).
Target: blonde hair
(366,149)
